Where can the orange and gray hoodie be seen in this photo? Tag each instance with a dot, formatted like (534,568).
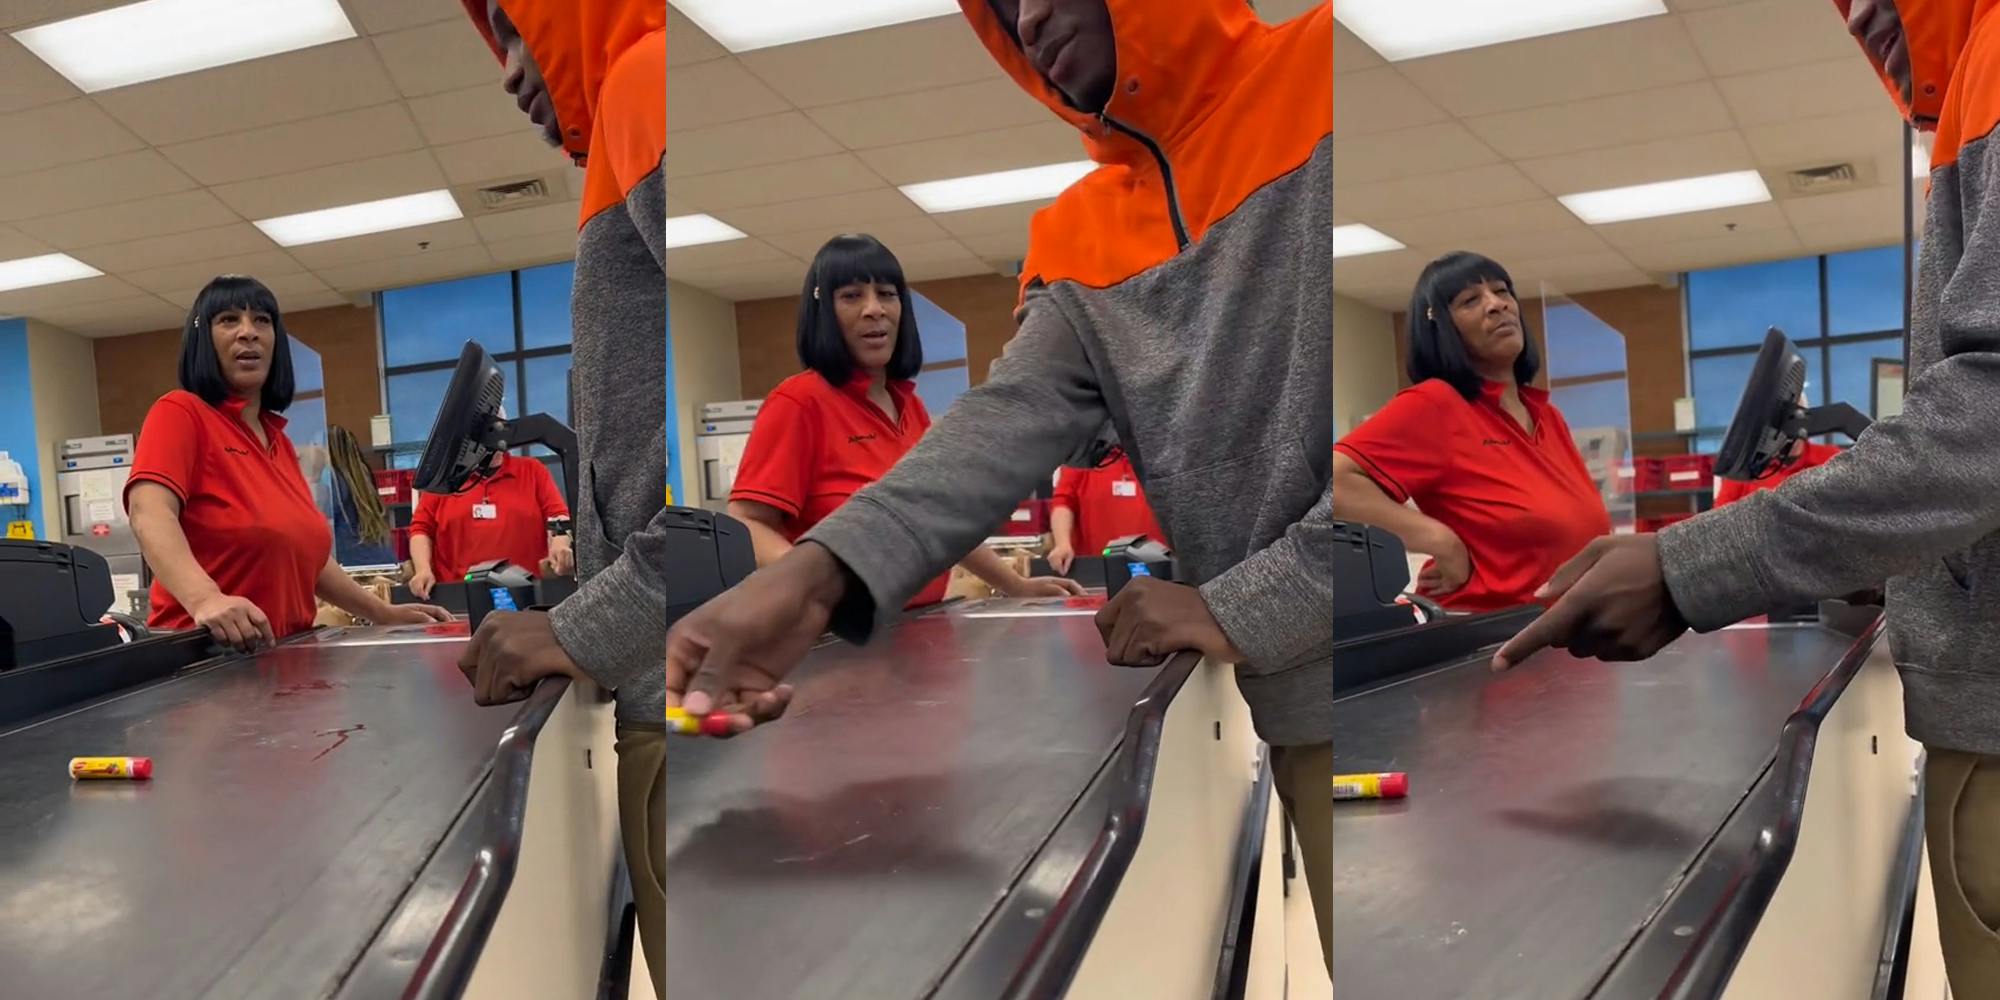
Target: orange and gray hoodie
(605,65)
(1917,500)
(1180,290)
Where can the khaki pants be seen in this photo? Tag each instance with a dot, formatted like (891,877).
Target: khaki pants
(1301,775)
(1962,830)
(642,820)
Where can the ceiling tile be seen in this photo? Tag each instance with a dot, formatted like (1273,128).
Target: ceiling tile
(1397,269)
(435,58)
(1682,109)
(752,142)
(305,84)
(1741,247)
(709,256)
(294,146)
(687,43)
(998,246)
(931,252)
(1455,228)
(1879,208)
(752,290)
(23,13)
(375,17)
(113,179)
(15,245)
(540,248)
(720,90)
(787,274)
(1554,69)
(977,153)
(160,251)
(1762,34)
(318,300)
(1809,91)
(998,219)
(400,243)
(124,223)
(329,187)
(26,81)
(1662,160)
(1409,152)
(929,114)
(1692,227)
(497,157)
(468,113)
(818,177)
(1379,100)
(894,234)
(377,274)
(290,288)
(1575,282)
(1350,53)
(900,59)
(559,218)
(1842,138)
(831,215)
(29,301)
(938,270)
(57,134)
(114,317)
(1457,190)
(1510,249)
(262,265)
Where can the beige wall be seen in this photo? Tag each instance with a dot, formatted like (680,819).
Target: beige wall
(64,369)
(706,369)
(1366,367)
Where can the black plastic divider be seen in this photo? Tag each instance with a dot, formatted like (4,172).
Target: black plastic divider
(59,685)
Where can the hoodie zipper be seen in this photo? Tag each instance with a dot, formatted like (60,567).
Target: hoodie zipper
(1166,173)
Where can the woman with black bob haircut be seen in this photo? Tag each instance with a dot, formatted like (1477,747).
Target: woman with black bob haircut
(1501,493)
(221,510)
(827,432)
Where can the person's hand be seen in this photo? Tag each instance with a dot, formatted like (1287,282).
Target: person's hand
(732,653)
(1611,603)
(1042,586)
(235,622)
(421,582)
(1449,568)
(562,557)
(1152,619)
(410,614)
(510,654)
(1061,556)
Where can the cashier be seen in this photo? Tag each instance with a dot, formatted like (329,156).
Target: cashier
(1804,455)
(514,512)
(827,432)
(222,513)
(1093,506)
(1502,495)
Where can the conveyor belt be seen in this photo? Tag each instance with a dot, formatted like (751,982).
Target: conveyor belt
(1552,809)
(876,842)
(289,839)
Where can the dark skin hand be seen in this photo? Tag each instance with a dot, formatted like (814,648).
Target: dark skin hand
(1069,42)
(522,77)
(1151,620)
(510,654)
(1611,603)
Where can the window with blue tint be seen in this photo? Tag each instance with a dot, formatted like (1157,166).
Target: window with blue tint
(942,334)
(308,375)
(1579,343)
(545,318)
(1590,405)
(414,398)
(1853,370)
(1733,307)
(941,387)
(432,322)
(545,387)
(1718,385)
(1864,291)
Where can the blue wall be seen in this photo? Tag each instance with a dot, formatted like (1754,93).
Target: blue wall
(17,420)
(681,494)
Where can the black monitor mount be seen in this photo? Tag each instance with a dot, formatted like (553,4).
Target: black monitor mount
(1770,421)
(470,430)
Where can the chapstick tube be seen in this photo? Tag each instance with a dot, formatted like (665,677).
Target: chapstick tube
(131,768)
(678,721)
(1383,785)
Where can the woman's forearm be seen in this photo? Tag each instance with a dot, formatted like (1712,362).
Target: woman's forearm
(1357,498)
(420,553)
(1062,521)
(157,525)
(769,543)
(338,589)
(987,565)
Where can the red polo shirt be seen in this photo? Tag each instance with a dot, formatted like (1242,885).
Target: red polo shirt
(1729,490)
(521,497)
(245,508)
(1108,504)
(1522,502)
(815,444)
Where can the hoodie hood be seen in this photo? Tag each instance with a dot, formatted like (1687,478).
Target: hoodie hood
(574,42)
(1914,46)
(1174,62)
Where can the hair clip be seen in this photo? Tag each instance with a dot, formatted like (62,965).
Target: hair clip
(1430,315)
(815,293)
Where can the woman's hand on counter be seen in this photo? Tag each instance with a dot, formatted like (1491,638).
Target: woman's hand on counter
(235,622)
(1041,586)
(410,614)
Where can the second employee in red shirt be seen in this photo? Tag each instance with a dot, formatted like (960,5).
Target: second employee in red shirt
(1092,507)
(503,516)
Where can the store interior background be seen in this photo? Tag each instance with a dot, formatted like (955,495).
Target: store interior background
(1471,149)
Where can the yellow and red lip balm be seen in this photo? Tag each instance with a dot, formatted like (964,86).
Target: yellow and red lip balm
(1382,785)
(128,768)
(678,721)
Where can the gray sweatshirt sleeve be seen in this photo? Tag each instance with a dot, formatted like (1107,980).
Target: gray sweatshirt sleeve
(1276,607)
(977,463)
(615,625)
(1916,487)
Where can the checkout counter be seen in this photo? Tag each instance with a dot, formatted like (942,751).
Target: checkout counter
(977,806)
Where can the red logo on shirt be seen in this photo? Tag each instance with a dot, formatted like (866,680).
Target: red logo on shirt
(233,450)
(858,438)
(1496,442)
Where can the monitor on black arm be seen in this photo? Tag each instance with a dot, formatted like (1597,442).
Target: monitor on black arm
(1770,418)
(470,428)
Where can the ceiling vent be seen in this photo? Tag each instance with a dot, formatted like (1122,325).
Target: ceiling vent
(512,194)
(1823,180)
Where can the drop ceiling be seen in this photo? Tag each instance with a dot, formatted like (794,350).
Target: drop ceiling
(156,184)
(1469,150)
(798,143)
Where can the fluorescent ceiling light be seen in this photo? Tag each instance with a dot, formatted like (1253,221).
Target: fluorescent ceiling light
(161,38)
(1004,188)
(695,230)
(48,269)
(1409,29)
(362,219)
(744,25)
(1689,194)
(1356,240)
